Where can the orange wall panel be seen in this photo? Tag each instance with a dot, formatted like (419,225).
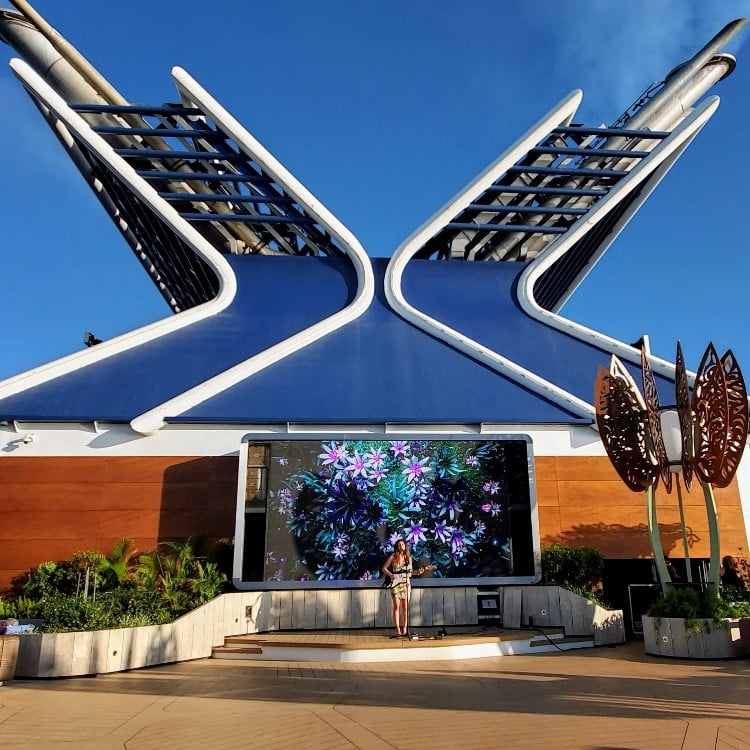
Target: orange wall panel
(546,466)
(52,470)
(549,521)
(547,494)
(589,468)
(51,497)
(604,494)
(54,507)
(597,510)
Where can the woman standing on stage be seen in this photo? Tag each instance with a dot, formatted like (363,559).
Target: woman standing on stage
(398,567)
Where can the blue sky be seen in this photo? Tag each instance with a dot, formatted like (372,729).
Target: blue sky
(385,110)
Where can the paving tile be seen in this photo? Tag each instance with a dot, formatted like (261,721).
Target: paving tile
(594,699)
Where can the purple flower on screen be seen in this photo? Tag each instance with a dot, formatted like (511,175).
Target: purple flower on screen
(416,503)
(441,532)
(449,508)
(286,502)
(357,466)
(399,448)
(415,468)
(333,454)
(458,545)
(375,458)
(415,533)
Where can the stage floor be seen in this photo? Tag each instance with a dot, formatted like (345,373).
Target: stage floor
(380,645)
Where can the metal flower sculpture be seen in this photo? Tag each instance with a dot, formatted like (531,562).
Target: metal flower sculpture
(702,437)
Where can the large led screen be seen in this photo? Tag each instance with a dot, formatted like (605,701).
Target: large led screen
(333,509)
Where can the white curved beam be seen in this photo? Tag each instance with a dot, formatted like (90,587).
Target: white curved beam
(560,115)
(154,419)
(669,147)
(666,149)
(161,208)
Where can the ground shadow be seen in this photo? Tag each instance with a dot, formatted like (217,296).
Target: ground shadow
(619,682)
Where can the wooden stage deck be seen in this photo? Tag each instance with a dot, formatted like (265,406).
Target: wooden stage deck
(373,645)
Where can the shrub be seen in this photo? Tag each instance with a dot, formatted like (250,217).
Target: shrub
(92,591)
(692,604)
(63,577)
(576,568)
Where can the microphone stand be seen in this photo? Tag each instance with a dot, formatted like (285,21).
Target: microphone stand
(408,605)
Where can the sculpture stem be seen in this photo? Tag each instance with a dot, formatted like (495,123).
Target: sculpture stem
(685,548)
(653,531)
(713,535)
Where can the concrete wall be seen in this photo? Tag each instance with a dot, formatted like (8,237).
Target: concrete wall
(551,606)
(194,635)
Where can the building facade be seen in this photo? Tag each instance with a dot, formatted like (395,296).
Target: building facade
(450,362)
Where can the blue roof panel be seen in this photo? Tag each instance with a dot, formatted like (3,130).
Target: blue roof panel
(377,369)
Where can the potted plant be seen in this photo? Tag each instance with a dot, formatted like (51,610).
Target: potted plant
(690,623)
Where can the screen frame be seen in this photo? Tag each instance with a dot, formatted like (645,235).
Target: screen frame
(415,434)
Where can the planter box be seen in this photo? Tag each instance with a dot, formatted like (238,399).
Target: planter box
(8,656)
(693,639)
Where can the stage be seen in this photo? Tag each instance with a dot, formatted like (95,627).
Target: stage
(378,645)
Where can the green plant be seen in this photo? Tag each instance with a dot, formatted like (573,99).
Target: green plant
(578,569)
(71,576)
(92,591)
(183,579)
(693,605)
(119,564)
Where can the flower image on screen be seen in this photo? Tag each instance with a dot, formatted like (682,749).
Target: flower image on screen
(335,508)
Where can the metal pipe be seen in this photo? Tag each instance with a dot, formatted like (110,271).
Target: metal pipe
(82,66)
(684,86)
(669,96)
(683,527)
(17,32)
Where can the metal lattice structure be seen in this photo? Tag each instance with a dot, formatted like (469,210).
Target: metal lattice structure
(198,168)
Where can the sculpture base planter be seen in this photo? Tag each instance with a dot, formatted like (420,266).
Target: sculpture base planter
(694,639)
(8,656)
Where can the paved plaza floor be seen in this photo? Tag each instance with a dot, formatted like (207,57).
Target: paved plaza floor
(593,699)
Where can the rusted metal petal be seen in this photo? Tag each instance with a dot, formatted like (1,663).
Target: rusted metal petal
(623,427)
